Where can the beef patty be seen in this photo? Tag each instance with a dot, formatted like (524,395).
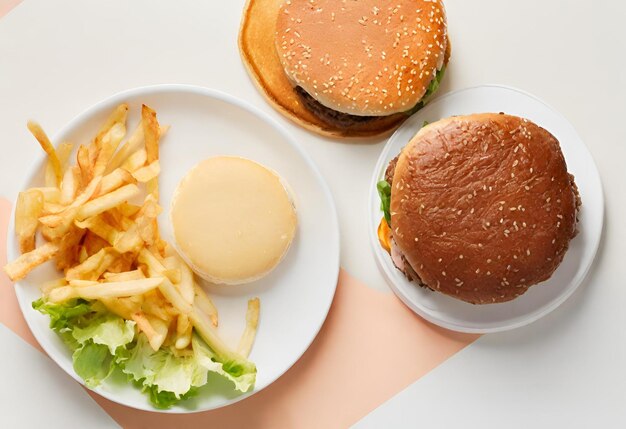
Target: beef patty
(330,116)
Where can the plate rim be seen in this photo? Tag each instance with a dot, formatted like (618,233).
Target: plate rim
(573,286)
(147,90)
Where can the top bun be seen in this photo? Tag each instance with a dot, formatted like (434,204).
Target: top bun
(482,206)
(362,57)
(233,220)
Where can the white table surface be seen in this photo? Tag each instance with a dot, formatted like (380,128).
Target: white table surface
(567,370)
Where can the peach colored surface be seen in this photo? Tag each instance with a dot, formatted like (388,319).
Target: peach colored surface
(369,349)
(7,5)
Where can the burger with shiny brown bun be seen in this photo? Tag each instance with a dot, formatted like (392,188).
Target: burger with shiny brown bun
(347,68)
(479,207)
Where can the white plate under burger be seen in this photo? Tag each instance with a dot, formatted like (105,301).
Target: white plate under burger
(540,299)
(295,297)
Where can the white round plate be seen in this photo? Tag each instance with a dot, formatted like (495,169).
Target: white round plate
(540,299)
(295,297)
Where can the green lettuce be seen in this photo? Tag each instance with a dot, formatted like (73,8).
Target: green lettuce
(103,343)
(384,192)
(169,376)
(430,91)
(242,376)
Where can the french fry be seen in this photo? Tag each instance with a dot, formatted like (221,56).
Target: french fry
(105,290)
(53,284)
(174,272)
(19,268)
(69,249)
(156,305)
(124,276)
(131,145)
(135,161)
(169,291)
(118,115)
(123,263)
(82,283)
(64,151)
(152,186)
(108,145)
(184,329)
(123,307)
(100,142)
(47,146)
(147,173)
(52,208)
(114,180)
(82,255)
(204,304)
(129,241)
(108,201)
(94,244)
(128,210)
(154,329)
(249,333)
(146,221)
(116,219)
(130,148)
(207,331)
(50,194)
(61,294)
(174,275)
(94,266)
(151,133)
(70,185)
(161,328)
(84,164)
(101,228)
(64,220)
(182,323)
(28,209)
(186,286)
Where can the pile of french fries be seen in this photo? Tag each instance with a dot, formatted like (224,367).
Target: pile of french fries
(109,248)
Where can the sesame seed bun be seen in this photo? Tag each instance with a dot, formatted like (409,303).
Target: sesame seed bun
(364,58)
(257,44)
(482,206)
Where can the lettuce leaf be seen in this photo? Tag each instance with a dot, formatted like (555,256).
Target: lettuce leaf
(430,91)
(243,378)
(93,363)
(63,316)
(384,192)
(165,371)
(109,330)
(103,342)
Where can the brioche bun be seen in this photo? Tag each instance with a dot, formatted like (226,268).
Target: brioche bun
(482,206)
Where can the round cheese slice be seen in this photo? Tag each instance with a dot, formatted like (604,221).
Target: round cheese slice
(233,220)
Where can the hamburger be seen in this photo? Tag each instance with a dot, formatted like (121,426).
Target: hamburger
(346,68)
(479,207)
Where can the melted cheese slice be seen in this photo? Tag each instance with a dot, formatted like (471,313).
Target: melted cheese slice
(233,220)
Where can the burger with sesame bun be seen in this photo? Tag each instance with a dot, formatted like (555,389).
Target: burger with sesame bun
(479,207)
(347,68)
